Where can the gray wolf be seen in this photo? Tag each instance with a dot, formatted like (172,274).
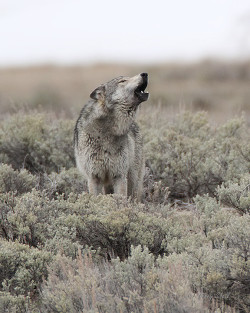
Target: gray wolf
(107,140)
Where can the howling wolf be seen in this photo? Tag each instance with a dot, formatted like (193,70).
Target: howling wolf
(107,140)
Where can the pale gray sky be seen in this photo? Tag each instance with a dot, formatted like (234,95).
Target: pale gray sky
(73,31)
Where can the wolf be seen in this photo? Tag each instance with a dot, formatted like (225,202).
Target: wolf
(107,140)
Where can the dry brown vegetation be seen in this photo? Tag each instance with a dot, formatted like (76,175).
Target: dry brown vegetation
(221,88)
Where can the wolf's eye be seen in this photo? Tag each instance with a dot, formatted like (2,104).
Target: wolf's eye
(122,81)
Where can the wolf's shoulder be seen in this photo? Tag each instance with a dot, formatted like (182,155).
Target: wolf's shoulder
(85,114)
(86,111)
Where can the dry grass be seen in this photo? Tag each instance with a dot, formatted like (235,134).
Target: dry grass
(220,88)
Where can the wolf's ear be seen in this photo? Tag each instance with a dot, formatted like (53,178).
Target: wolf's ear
(98,93)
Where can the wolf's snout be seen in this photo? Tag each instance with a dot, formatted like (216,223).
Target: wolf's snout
(140,92)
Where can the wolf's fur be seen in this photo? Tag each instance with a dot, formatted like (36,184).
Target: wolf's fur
(108,143)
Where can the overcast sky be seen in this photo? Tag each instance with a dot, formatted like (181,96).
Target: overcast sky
(73,31)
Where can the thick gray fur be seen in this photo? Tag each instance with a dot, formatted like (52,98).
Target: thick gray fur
(107,140)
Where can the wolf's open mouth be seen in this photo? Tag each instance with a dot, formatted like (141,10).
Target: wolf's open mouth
(140,90)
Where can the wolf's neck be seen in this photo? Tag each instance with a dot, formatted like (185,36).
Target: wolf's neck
(112,123)
(121,123)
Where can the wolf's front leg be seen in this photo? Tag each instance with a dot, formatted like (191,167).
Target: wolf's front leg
(94,186)
(120,186)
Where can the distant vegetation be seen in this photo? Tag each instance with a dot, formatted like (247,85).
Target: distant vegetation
(221,88)
(185,249)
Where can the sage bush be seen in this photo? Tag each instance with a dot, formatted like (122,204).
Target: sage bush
(191,157)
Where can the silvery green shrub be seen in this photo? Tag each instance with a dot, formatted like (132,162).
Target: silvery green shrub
(22,268)
(236,193)
(191,157)
(16,181)
(36,143)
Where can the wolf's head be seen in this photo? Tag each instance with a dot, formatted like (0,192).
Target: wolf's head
(125,92)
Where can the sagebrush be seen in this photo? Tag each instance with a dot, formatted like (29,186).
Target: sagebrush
(184,249)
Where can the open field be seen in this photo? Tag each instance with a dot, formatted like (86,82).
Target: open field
(222,89)
(184,249)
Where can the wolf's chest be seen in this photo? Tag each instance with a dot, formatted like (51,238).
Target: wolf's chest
(106,154)
(106,147)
